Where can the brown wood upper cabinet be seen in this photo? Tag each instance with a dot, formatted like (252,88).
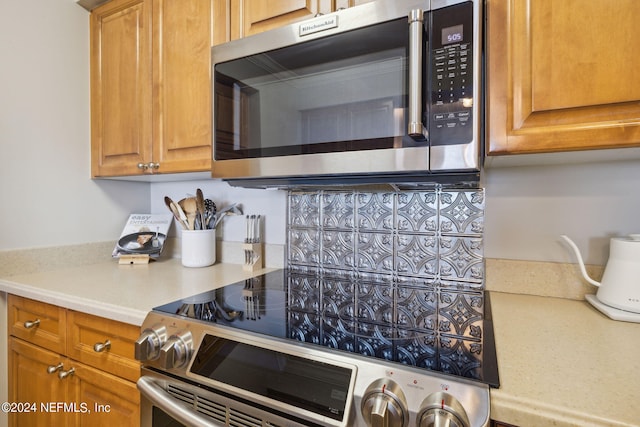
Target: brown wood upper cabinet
(150,87)
(255,16)
(241,18)
(562,75)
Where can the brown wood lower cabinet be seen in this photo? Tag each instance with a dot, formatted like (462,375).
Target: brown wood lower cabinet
(73,387)
(31,385)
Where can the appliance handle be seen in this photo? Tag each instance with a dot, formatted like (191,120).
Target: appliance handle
(416,18)
(178,410)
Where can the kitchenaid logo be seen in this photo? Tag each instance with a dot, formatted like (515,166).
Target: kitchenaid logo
(321,24)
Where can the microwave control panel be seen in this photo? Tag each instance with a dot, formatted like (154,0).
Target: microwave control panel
(451,63)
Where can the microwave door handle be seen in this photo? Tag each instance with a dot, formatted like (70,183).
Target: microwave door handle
(415,73)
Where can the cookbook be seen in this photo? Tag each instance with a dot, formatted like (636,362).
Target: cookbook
(143,234)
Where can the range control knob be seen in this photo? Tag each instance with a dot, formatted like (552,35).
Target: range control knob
(384,405)
(442,409)
(176,352)
(148,345)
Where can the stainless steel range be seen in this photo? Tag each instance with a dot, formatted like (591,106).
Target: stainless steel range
(252,354)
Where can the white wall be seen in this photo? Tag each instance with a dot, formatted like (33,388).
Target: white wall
(46,195)
(528,207)
(271,204)
(48,199)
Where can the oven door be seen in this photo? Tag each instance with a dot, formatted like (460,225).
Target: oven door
(170,402)
(163,406)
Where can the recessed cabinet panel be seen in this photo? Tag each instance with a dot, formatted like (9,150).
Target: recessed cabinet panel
(37,322)
(255,16)
(111,400)
(182,38)
(562,75)
(31,384)
(151,87)
(579,58)
(120,87)
(115,341)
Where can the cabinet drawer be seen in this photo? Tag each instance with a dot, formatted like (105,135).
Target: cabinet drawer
(102,343)
(37,322)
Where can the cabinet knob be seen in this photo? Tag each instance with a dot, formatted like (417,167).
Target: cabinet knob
(99,347)
(30,324)
(150,166)
(54,368)
(64,374)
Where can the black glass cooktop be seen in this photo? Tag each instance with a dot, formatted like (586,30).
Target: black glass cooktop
(441,329)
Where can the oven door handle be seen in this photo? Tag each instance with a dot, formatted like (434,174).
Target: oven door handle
(178,410)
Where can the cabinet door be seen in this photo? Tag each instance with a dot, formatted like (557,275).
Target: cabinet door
(120,87)
(562,75)
(343,4)
(114,341)
(110,401)
(255,16)
(182,39)
(30,382)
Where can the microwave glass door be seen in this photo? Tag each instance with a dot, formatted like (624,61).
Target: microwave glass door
(344,92)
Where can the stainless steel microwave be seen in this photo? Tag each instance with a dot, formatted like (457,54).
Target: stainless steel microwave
(385,92)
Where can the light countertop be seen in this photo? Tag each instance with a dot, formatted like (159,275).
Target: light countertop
(561,362)
(122,292)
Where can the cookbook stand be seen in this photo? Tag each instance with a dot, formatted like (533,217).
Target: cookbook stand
(134,259)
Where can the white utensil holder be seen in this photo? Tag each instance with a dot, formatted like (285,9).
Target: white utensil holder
(198,248)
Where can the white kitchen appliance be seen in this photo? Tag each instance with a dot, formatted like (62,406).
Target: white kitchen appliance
(618,293)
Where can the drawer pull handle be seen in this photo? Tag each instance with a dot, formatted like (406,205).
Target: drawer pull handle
(64,374)
(99,347)
(30,324)
(54,368)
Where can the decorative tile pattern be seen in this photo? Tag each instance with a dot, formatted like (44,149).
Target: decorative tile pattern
(338,249)
(375,211)
(417,212)
(461,258)
(397,275)
(338,210)
(434,233)
(417,255)
(374,252)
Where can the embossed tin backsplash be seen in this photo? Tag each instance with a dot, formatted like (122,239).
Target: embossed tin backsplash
(435,236)
(398,275)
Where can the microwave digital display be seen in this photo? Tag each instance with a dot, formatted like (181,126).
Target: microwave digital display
(452,34)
